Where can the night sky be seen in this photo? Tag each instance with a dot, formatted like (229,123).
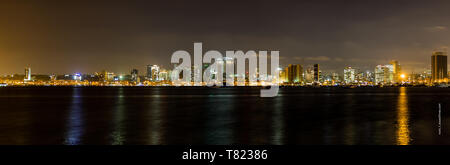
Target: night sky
(89,36)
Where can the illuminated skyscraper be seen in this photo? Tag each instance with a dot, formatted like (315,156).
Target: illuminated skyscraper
(316,73)
(349,75)
(439,67)
(309,74)
(384,74)
(396,70)
(27,74)
(149,72)
(294,73)
(164,75)
(134,75)
(153,72)
(335,77)
(283,75)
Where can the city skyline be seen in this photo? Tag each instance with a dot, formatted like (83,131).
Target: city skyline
(292,74)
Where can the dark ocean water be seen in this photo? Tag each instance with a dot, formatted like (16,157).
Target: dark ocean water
(162,115)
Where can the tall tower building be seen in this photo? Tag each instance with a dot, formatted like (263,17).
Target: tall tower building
(396,71)
(439,67)
(149,72)
(316,73)
(134,75)
(349,75)
(153,72)
(294,73)
(27,74)
(384,74)
(309,75)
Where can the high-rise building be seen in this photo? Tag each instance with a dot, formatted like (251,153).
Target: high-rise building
(370,76)
(316,73)
(282,73)
(384,74)
(153,72)
(359,76)
(294,73)
(379,74)
(134,75)
(349,75)
(27,74)
(396,71)
(335,77)
(326,78)
(149,72)
(164,75)
(439,67)
(309,75)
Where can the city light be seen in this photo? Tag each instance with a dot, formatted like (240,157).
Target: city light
(291,75)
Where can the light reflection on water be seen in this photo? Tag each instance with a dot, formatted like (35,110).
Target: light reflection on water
(278,122)
(118,116)
(156,119)
(75,119)
(118,134)
(403,134)
(219,120)
(349,128)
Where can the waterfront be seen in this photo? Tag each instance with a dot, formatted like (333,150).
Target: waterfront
(171,115)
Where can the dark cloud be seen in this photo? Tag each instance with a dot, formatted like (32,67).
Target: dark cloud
(88,36)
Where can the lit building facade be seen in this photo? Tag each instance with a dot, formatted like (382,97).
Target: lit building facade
(153,72)
(439,67)
(316,73)
(335,77)
(309,75)
(349,75)
(134,75)
(294,73)
(164,75)
(27,74)
(396,71)
(384,74)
